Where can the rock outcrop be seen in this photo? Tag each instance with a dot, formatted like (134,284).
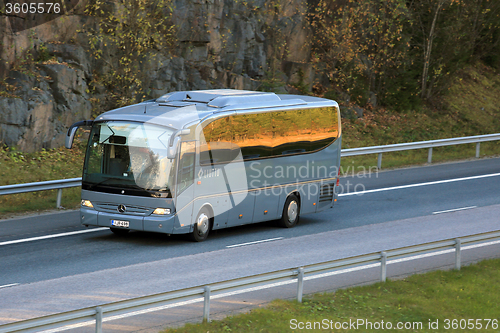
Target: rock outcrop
(221,43)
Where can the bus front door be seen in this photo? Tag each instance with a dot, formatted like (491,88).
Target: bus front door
(184,189)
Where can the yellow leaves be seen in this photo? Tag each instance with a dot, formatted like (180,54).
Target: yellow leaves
(362,39)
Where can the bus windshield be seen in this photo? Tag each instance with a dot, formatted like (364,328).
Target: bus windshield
(130,157)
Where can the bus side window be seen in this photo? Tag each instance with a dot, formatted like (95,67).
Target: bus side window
(218,147)
(253,133)
(205,158)
(292,130)
(205,155)
(325,127)
(185,176)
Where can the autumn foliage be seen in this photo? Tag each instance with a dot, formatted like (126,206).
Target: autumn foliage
(399,53)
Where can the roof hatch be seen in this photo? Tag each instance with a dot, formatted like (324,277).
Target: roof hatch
(218,98)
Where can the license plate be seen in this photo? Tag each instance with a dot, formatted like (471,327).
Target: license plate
(118,223)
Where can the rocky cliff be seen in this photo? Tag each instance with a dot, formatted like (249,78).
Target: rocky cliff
(49,79)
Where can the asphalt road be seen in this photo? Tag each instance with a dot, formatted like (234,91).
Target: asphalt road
(359,223)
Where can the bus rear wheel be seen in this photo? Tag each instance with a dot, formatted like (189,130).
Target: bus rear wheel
(291,212)
(119,232)
(201,227)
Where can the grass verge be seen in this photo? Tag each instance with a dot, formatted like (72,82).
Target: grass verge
(450,301)
(17,167)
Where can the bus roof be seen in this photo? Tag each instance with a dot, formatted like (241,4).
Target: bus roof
(177,109)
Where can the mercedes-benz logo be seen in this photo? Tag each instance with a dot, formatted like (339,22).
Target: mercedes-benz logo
(122,208)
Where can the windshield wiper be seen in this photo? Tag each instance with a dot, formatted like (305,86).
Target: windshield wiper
(157,193)
(101,182)
(134,186)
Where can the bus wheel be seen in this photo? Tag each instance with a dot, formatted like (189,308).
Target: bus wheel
(201,226)
(291,212)
(119,232)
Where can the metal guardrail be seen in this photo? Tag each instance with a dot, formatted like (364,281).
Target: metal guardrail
(322,269)
(75,182)
(42,186)
(477,139)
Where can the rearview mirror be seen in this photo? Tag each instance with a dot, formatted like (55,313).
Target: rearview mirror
(174,142)
(72,131)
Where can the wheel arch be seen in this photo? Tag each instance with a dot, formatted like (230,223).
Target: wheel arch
(290,214)
(282,203)
(210,209)
(295,192)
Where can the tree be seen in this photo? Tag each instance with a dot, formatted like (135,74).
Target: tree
(447,34)
(428,48)
(127,35)
(361,43)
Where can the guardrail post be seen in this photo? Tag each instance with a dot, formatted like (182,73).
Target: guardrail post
(206,304)
(478,145)
(383,266)
(429,157)
(379,162)
(458,254)
(98,319)
(59,195)
(300,284)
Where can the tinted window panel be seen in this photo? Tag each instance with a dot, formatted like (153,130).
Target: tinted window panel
(205,158)
(218,147)
(253,133)
(261,135)
(292,130)
(324,126)
(186,166)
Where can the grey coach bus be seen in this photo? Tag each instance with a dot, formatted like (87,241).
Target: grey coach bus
(196,161)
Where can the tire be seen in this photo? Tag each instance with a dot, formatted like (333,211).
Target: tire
(291,212)
(202,226)
(119,232)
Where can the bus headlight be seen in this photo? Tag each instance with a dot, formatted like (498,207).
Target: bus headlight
(162,211)
(87,203)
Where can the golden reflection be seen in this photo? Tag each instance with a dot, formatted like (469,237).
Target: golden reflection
(269,134)
(324,126)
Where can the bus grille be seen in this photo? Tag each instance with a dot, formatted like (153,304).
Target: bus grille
(326,193)
(131,210)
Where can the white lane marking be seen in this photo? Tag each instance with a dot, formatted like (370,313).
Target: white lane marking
(271,285)
(256,242)
(51,236)
(453,210)
(419,184)
(9,285)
